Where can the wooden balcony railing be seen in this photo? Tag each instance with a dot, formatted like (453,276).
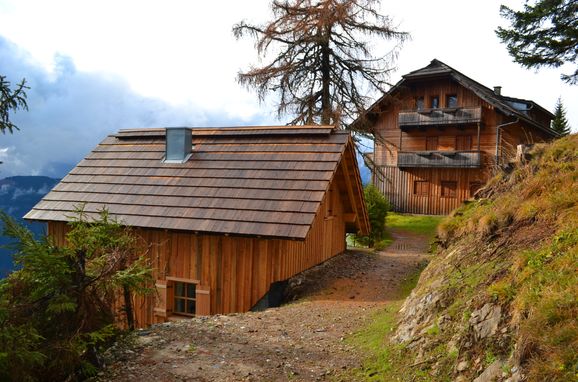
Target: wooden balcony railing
(435,117)
(448,159)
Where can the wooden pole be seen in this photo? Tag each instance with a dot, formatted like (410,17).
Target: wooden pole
(478,136)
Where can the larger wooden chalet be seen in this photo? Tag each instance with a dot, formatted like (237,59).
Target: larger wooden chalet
(439,135)
(226,212)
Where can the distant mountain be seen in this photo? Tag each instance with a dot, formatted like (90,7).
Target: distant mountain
(18,194)
(364,171)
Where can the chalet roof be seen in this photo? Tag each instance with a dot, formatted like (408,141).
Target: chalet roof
(266,181)
(438,69)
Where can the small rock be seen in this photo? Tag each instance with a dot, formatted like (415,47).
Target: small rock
(462,366)
(485,321)
(491,373)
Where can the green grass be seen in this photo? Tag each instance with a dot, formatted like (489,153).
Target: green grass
(419,224)
(373,339)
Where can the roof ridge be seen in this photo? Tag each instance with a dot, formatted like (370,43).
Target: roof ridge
(251,127)
(239,131)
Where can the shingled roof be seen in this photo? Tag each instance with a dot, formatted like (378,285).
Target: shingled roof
(437,69)
(264,181)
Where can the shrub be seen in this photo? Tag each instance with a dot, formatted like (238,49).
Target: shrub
(56,310)
(377,207)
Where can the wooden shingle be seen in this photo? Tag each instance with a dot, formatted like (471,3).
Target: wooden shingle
(264,181)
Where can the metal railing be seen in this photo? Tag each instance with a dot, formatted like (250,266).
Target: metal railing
(451,159)
(433,117)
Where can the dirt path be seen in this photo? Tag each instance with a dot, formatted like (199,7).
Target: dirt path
(300,341)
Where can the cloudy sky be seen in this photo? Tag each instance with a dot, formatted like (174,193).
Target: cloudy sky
(98,66)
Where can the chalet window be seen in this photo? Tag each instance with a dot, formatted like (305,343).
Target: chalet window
(463,143)
(419,103)
(474,186)
(431,143)
(435,102)
(184,298)
(421,188)
(451,100)
(449,188)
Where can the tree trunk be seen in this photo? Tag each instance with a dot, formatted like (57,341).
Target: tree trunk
(128,308)
(325,83)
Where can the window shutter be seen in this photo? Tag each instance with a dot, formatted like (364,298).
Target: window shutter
(203,297)
(161,308)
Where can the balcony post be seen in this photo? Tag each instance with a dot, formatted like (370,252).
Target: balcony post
(478,136)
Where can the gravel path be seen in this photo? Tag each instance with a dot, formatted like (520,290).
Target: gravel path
(300,341)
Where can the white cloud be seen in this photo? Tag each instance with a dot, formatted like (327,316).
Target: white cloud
(97,66)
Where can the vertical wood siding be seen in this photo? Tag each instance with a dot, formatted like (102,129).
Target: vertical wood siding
(398,185)
(233,272)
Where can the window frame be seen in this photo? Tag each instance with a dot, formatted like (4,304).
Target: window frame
(173,281)
(451,186)
(419,190)
(417,103)
(448,97)
(431,101)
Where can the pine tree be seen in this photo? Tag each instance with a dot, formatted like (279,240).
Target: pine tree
(58,308)
(543,34)
(324,67)
(560,123)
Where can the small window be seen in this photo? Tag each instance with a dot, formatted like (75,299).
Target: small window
(474,187)
(435,102)
(449,188)
(421,188)
(451,100)
(184,298)
(419,103)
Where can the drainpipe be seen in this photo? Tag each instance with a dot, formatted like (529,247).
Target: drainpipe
(499,137)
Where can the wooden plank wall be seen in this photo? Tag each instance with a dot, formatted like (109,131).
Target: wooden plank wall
(397,185)
(238,271)
(398,188)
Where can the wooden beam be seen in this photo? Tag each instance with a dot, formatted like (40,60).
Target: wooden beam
(350,217)
(348,185)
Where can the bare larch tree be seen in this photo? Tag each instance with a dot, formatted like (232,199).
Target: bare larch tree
(323,68)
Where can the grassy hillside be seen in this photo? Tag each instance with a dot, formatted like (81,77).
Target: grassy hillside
(498,302)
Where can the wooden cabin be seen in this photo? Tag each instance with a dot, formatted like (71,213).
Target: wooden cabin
(225,212)
(440,135)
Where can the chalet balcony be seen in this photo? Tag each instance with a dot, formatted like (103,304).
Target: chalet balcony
(439,159)
(439,117)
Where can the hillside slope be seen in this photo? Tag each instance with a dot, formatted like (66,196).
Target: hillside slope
(498,302)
